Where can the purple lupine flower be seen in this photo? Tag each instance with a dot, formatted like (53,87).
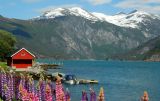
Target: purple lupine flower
(16,82)
(92,95)
(52,86)
(42,89)
(53,91)
(22,82)
(9,90)
(31,85)
(39,93)
(84,96)
(0,83)
(6,88)
(27,83)
(67,95)
(3,82)
(6,92)
(12,86)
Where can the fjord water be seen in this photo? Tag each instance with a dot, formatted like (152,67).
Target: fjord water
(122,80)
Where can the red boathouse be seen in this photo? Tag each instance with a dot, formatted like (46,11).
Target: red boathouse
(22,59)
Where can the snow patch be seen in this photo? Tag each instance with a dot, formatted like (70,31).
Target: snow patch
(76,11)
(131,20)
(125,20)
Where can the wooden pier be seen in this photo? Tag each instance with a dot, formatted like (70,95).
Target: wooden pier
(51,66)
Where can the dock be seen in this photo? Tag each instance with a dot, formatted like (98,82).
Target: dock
(51,66)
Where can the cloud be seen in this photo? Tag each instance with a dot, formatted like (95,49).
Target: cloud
(31,1)
(151,6)
(42,10)
(99,2)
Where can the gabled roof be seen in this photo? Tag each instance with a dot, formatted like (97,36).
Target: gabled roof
(22,49)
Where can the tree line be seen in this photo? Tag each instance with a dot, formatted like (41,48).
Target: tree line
(7,44)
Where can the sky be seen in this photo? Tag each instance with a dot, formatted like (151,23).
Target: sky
(27,9)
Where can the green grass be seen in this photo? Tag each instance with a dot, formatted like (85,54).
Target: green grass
(1,99)
(3,65)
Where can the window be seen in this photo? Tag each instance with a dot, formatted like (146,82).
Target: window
(22,61)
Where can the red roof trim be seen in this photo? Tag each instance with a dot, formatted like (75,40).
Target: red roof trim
(22,49)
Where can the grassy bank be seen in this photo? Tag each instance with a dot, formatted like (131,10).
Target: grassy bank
(3,65)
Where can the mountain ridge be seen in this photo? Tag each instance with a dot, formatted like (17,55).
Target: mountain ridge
(121,19)
(73,36)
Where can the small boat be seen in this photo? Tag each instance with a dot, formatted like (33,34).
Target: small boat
(82,81)
(70,79)
(92,81)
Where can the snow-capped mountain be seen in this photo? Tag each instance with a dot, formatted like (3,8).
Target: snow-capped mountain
(76,11)
(132,19)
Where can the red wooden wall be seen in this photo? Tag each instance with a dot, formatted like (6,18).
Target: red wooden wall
(21,59)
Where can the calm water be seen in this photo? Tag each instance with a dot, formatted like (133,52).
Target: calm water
(122,81)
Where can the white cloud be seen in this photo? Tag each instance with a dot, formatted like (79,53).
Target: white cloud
(99,2)
(144,5)
(42,10)
(31,1)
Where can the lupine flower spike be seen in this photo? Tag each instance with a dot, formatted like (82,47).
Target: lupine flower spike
(92,95)
(101,95)
(42,88)
(84,96)
(67,94)
(60,96)
(145,96)
(48,93)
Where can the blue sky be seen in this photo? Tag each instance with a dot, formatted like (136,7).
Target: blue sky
(26,9)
